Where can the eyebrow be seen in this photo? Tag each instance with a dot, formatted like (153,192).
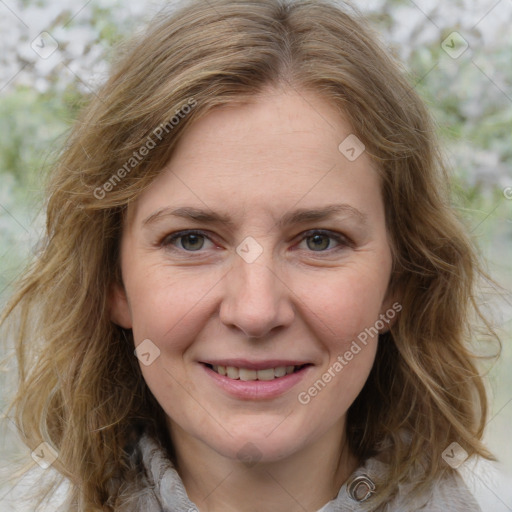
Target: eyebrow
(299,216)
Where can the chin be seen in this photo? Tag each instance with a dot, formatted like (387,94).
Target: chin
(251,446)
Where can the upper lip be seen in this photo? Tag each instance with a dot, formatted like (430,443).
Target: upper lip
(255,365)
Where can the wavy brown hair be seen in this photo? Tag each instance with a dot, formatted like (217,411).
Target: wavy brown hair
(76,390)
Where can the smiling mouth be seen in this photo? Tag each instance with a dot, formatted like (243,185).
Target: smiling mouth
(247,374)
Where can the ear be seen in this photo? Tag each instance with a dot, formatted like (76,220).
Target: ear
(120,312)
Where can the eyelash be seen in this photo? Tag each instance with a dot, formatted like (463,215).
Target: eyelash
(342,240)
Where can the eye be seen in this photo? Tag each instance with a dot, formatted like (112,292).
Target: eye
(321,241)
(190,241)
(315,240)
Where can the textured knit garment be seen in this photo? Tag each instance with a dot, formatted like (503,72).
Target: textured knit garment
(161,489)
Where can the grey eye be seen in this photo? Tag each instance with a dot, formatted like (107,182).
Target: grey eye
(192,242)
(318,242)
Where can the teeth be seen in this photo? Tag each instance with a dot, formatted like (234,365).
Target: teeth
(267,374)
(232,372)
(280,371)
(246,374)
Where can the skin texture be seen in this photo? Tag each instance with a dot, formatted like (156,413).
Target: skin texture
(303,298)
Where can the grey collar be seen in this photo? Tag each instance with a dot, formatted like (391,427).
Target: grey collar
(163,490)
(159,488)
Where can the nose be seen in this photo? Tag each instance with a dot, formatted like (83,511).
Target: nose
(256,300)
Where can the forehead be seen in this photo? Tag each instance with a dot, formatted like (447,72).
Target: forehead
(270,131)
(278,148)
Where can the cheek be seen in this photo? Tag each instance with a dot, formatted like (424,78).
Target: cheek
(165,303)
(344,303)
(330,394)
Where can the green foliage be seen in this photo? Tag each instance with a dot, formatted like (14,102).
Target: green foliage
(32,126)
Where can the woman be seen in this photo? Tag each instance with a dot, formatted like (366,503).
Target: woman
(254,294)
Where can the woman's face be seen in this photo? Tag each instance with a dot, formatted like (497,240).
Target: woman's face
(260,247)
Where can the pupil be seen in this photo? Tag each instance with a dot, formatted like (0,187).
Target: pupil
(317,242)
(193,242)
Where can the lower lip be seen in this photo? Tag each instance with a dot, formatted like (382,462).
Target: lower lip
(257,389)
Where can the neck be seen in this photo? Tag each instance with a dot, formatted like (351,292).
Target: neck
(304,481)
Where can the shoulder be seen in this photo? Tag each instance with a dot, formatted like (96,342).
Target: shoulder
(448,493)
(44,489)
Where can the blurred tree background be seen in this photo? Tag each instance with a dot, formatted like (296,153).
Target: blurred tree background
(457,54)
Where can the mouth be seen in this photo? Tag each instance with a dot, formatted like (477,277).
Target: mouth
(245,379)
(252,374)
